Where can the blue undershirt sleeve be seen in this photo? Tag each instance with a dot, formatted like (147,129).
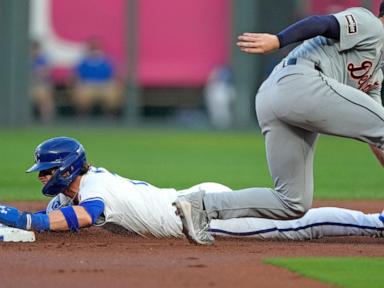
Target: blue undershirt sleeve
(94,207)
(326,25)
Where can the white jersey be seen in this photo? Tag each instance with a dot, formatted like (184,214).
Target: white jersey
(135,205)
(142,208)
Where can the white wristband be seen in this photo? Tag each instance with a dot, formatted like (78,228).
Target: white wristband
(29,222)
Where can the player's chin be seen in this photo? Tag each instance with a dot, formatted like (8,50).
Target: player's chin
(43,181)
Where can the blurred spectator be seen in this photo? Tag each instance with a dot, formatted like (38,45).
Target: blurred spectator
(40,81)
(96,82)
(219,97)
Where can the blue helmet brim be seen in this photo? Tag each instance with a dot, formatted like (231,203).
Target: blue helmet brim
(42,166)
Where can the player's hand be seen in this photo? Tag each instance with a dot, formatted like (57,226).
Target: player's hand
(12,217)
(258,43)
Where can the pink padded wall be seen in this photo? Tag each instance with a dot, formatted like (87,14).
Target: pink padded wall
(179,41)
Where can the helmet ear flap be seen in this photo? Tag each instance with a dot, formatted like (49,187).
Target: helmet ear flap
(65,174)
(54,185)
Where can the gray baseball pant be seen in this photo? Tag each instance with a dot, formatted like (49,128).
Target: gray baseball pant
(293,106)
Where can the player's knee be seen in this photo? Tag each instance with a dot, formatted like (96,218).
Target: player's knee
(297,209)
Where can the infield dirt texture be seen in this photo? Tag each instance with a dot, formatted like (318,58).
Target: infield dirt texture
(97,258)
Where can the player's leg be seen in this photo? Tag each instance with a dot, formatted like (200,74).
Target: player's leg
(294,101)
(316,223)
(292,108)
(311,103)
(290,158)
(289,150)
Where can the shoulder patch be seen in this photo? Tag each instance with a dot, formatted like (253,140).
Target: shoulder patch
(352,25)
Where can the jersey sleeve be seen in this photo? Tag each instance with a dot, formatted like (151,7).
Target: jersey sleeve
(94,208)
(92,188)
(359,28)
(326,25)
(91,192)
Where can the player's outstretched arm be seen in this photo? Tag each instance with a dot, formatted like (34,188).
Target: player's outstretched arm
(12,217)
(66,218)
(258,43)
(77,216)
(69,218)
(261,43)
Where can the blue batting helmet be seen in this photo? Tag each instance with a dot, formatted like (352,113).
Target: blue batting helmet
(65,154)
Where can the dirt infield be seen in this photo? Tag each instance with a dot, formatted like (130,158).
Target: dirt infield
(97,258)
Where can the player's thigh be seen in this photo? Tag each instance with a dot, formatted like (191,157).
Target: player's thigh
(339,109)
(290,152)
(358,115)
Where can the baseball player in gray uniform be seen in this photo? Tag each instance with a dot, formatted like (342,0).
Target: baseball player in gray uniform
(329,84)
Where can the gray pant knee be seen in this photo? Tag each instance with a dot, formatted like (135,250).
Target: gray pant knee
(297,209)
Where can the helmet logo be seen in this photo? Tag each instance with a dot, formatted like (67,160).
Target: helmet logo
(37,157)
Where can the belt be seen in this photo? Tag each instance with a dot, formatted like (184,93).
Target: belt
(296,61)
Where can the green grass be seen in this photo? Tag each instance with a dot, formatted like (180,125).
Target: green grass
(344,169)
(344,272)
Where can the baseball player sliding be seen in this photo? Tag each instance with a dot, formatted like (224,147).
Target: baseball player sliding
(329,84)
(85,195)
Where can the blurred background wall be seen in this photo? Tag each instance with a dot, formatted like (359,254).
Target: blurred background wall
(138,62)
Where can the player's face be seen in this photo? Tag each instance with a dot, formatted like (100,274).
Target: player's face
(45,175)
